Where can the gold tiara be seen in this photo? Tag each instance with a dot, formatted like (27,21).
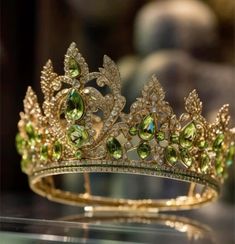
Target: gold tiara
(80,130)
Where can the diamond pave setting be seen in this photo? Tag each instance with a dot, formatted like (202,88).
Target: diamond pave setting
(76,119)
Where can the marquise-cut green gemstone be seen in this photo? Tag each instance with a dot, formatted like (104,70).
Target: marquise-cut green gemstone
(143,150)
(186,157)
(188,135)
(133,130)
(20,143)
(74,105)
(174,138)
(160,135)
(204,162)
(230,155)
(171,155)
(57,150)
(217,145)
(147,128)
(44,152)
(114,148)
(77,135)
(74,68)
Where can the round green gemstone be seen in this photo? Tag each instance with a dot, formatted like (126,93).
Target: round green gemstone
(204,162)
(171,155)
(202,144)
(186,157)
(77,135)
(114,148)
(57,151)
(74,68)
(133,131)
(20,143)
(174,138)
(230,155)
(74,105)
(188,135)
(147,128)
(217,145)
(144,150)
(160,135)
(44,152)
(78,154)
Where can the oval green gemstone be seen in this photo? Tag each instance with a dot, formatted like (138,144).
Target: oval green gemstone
(144,150)
(186,157)
(133,130)
(74,105)
(74,68)
(219,169)
(20,143)
(174,138)
(57,150)
(204,162)
(160,135)
(230,155)
(147,128)
(78,154)
(217,145)
(188,135)
(114,148)
(171,155)
(44,152)
(202,144)
(77,135)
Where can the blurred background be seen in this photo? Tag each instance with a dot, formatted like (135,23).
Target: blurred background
(187,43)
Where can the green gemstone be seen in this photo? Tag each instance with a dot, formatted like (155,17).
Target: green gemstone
(78,154)
(44,152)
(25,161)
(77,135)
(133,130)
(144,150)
(230,155)
(29,129)
(147,128)
(217,145)
(57,150)
(160,135)
(202,144)
(174,138)
(186,157)
(219,163)
(204,162)
(74,105)
(114,148)
(171,155)
(74,68)
(188,135)
(20,143)
(219,169)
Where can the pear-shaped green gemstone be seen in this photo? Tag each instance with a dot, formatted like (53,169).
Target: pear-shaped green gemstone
(174,138)
(74,68)
(44,152)
(188,135)
(160,135)
(230,155)
(20,143)
(204,162)
(217,145)
(57,151)
(171,155)
(144,150)
(114,148)
(133,130)
(147,128)
(74,105)
(186,157)
(77,135)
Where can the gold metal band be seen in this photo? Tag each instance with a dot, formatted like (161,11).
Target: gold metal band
(41,182)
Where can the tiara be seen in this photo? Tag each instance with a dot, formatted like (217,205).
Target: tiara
(81,130)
